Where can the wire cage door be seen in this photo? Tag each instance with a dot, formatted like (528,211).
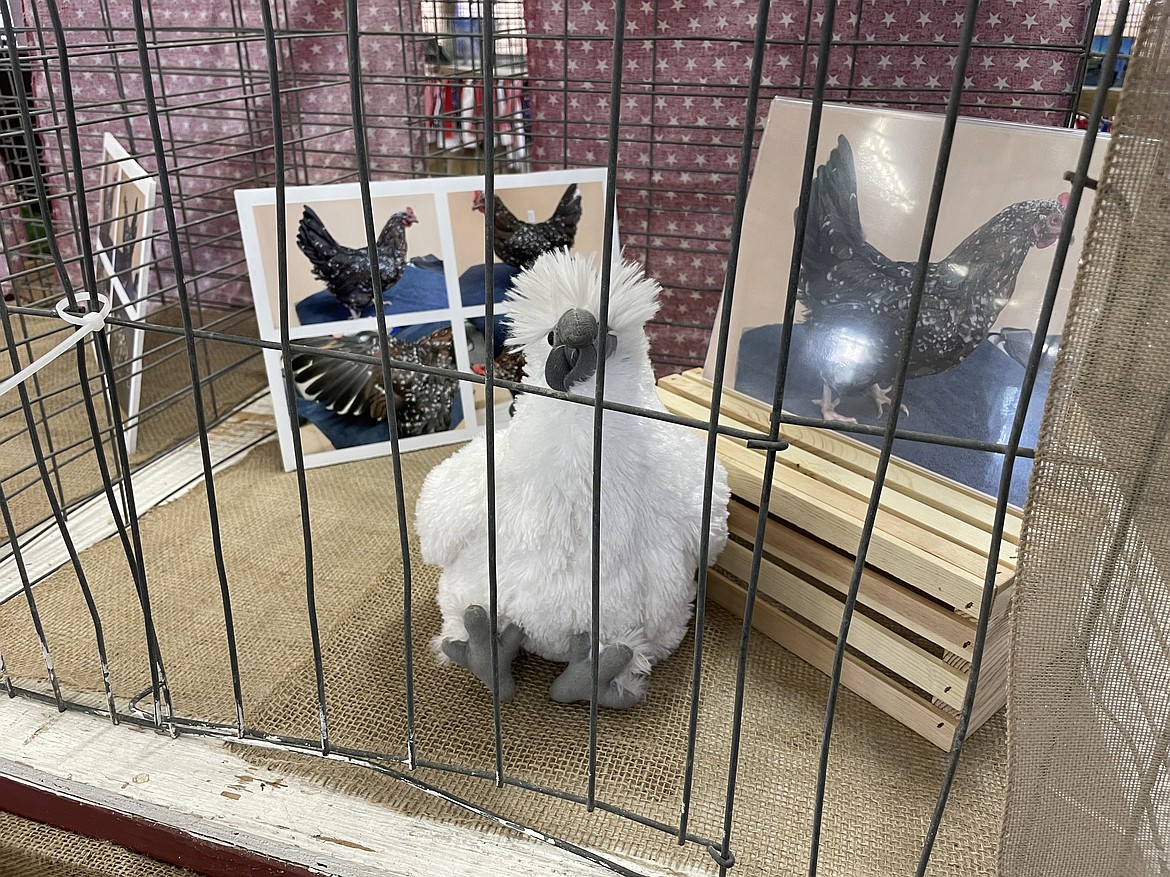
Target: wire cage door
(302,627)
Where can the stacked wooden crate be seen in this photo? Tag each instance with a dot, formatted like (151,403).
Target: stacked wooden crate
(910,642)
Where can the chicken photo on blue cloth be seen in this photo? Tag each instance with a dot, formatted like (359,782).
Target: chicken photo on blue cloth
(651,501)
(856,298)
(508,365)
(354,392)
(346,270)
(520,243)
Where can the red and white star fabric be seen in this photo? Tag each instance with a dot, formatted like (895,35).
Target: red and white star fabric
(210,78)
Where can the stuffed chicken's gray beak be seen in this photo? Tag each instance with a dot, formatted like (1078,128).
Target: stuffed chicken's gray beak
(573,357)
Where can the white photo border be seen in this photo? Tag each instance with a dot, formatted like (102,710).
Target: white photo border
(130,172)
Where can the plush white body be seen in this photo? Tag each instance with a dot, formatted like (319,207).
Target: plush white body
(651,507)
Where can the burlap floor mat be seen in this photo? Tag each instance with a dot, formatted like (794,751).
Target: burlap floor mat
(238,371)
(30,849)
(882,783)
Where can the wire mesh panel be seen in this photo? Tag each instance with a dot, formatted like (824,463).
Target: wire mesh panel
(181,628)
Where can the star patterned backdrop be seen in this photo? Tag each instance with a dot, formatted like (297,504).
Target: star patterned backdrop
(211,87)
(684,84)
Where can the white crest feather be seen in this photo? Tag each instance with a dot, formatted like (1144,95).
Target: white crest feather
(562,280)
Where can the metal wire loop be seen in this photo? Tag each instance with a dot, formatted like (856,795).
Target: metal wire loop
(1090,182)
(765,445)
(720,860)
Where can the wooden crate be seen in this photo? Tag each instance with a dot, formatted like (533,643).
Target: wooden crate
(911,637)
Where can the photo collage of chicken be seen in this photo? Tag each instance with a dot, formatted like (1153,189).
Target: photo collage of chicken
(429,248)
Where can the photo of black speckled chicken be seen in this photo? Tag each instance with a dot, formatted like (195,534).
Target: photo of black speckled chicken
(856,298)
(520,243)
(346,271)
(355,389)
(990,283)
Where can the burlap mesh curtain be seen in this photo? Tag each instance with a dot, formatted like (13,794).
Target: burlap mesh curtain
(1089,708)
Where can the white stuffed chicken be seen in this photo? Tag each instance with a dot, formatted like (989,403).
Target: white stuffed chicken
(651,500)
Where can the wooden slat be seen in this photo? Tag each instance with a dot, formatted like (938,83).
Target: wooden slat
(992,694)
(931,536)
(900,604)
(823,516)
(999,606)
(924,572)
(919,715)
(829,487)
(905,551)
(196,786)
(826,468)
(150,837)
(886,647)
(952,497)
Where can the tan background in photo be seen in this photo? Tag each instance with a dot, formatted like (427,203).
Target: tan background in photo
(130,207)
(467,224)
(107,219)
(991,167)
(343,219)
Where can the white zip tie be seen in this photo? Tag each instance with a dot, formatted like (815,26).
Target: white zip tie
(87,323)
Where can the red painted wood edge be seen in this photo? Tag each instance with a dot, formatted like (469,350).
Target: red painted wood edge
(146,836)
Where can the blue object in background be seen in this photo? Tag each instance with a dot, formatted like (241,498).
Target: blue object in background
(471,288)
(462,21)
(975,400)
(1100,45)
(467,48)
(422,287)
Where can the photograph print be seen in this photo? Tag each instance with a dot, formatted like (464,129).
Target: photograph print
(1002,211)
(329,262)
(343,404)
(126,350)
(133,243)
(529,220)
(124,226)
(533,214)
(106,219)
(433,284)
(122,264)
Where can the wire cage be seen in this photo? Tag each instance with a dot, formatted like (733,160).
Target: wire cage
(667,96)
